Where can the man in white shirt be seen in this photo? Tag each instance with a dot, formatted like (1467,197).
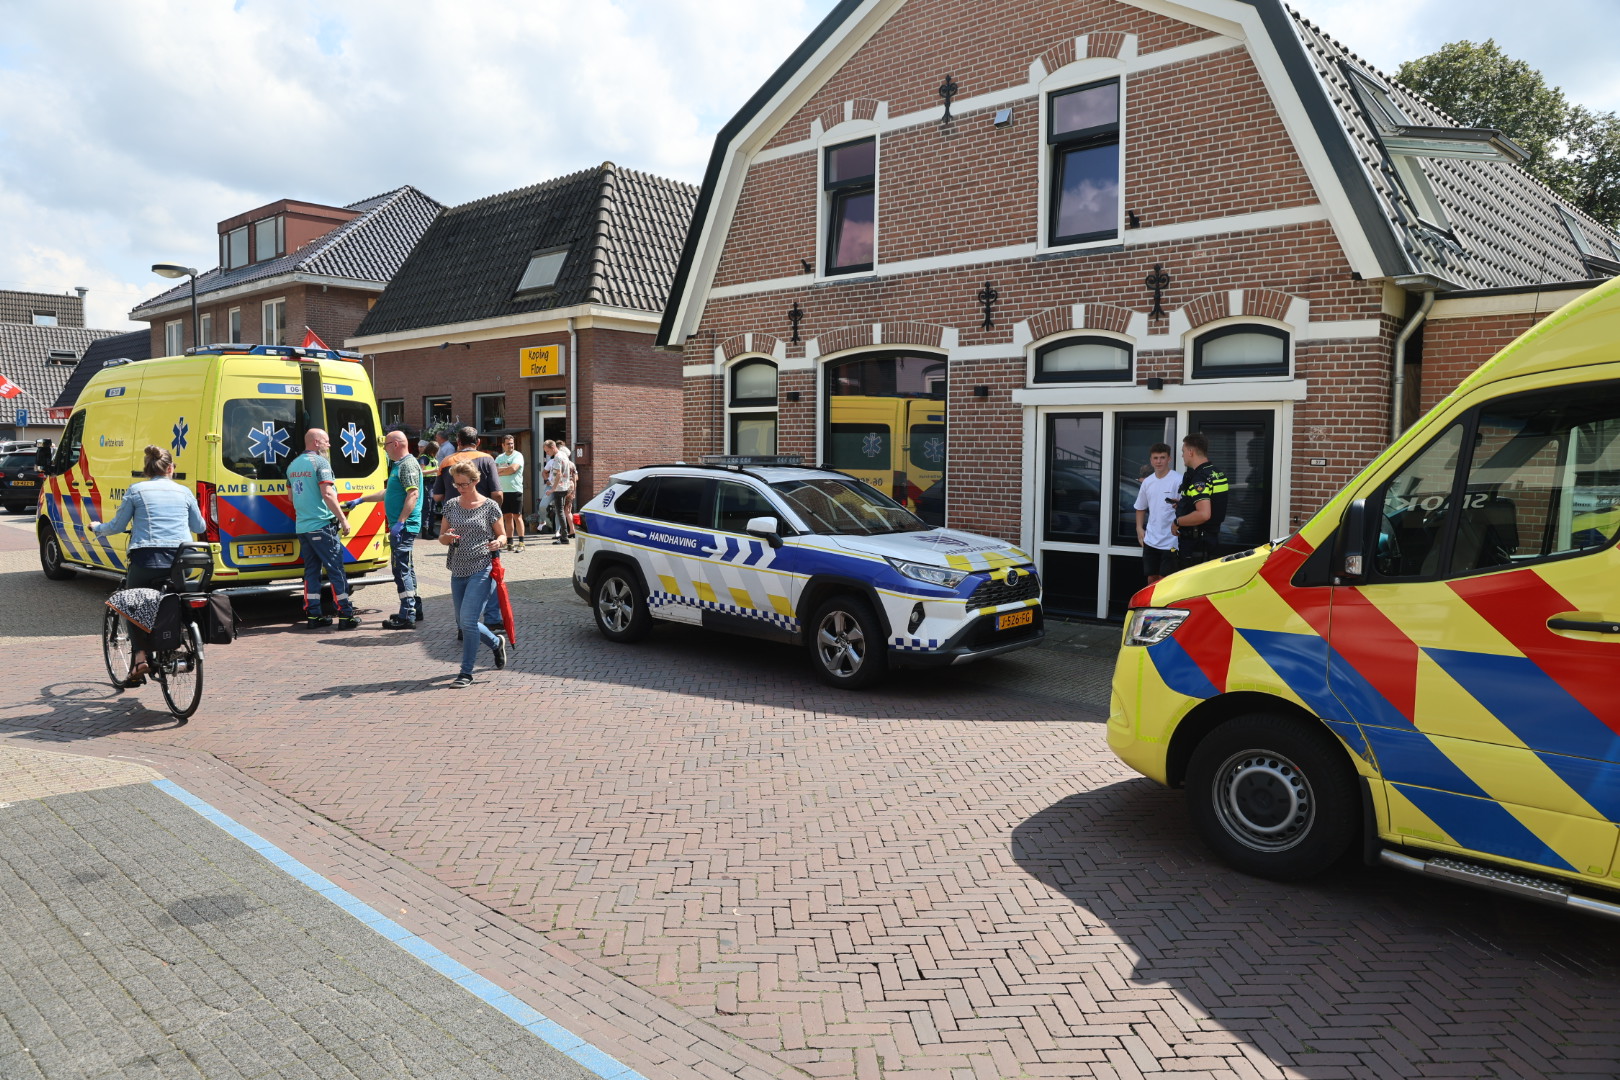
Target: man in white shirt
(1156,515)
(560,477)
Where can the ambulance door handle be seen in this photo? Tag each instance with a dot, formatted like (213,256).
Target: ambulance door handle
(1585,626)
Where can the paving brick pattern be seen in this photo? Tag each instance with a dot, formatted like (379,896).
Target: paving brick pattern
(947,877)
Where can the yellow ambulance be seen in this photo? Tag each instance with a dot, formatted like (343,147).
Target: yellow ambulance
(1428,664)
(234,417)
(896,445)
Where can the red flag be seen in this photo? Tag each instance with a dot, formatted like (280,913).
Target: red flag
(9,388)
(312,340)
(497,573)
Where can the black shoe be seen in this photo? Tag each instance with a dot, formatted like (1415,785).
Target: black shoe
(398,622)
(462,682)
(348,622)
(317,622)
(499,649)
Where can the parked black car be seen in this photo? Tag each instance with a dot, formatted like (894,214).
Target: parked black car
(20,481)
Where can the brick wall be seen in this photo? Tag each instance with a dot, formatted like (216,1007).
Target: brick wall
(1453,348)
(335,314)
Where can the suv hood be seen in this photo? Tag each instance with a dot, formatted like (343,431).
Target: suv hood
(938,547)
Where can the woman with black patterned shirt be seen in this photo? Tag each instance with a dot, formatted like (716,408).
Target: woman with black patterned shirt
(471,528)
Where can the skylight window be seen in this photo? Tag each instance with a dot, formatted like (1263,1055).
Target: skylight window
(544,266)
(1576,233)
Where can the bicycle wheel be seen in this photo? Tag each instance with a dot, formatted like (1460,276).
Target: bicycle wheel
(180,673)
(115,647)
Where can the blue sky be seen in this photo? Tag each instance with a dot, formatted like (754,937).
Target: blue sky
(128,130)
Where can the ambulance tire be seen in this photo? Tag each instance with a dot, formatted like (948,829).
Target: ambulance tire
(50,556)
(1273,796)
(846,643)
(619,605)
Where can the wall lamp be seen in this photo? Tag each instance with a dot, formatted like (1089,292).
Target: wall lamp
(463,344)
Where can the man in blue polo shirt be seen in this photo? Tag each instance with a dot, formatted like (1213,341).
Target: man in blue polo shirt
(401,497)
(320,524)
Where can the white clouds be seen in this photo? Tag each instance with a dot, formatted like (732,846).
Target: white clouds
(128,130)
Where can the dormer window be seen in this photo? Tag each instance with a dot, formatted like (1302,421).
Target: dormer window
(44,318)
(268,238)
(233,248)
(544,266)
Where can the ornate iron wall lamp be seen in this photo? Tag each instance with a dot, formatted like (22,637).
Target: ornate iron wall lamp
(988,297)
(1158,281)
(794,315)
(947,90)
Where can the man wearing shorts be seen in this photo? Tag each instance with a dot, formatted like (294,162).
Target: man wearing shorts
(509,467)
(1156,514)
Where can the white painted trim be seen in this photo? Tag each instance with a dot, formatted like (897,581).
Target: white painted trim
(1257,392)
(146,312)
(1206,227)
(696,371)
(1344,330)
(554,321)
(1525,303)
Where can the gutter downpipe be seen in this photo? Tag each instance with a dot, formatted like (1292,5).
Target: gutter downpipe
(573,389)
(1398,383)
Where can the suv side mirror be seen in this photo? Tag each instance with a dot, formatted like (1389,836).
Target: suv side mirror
(43,455)
(1353,564)
(767,529)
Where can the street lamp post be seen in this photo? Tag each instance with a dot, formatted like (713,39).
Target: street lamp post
(174,270)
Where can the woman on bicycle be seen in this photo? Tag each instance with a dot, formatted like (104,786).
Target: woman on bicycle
(471,528)
(161,515)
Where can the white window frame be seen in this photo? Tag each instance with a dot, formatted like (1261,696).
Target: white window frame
(277,242)
(382,412)
(1189,338)
(233,325)
(1094,69)
(750,410)
(44,318)
(205,328)
(848,132)
(225,258)
(280,306)
(1033,348)
(174,337)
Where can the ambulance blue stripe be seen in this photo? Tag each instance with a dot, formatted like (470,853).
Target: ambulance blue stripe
(1598,782)
(81,535)
(1410,757)
(1300,661)
(1483,825)
(1178,670)
(1530,703)
(1352,736)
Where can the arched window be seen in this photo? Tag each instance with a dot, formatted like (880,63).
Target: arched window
(885,424)
(751,407)
(1240,351)
(1083,359)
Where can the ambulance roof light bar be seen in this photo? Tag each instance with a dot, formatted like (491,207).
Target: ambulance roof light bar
(291,352)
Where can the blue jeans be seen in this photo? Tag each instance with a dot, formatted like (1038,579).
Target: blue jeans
(402,561)
(469,595)
(321,550)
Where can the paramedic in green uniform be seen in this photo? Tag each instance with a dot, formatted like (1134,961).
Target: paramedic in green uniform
(320,525)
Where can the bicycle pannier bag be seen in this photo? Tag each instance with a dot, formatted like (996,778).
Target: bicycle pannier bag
(169,625)
(219,621)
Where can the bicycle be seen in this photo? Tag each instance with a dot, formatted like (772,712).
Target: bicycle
(179,671)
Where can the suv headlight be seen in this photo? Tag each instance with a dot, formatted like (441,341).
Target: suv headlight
(934,575)
(1151,625)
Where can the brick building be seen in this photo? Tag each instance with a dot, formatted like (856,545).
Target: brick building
(985,255)
(291,265)
(533,313)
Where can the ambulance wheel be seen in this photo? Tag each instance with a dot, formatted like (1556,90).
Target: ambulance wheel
(620,608)
(1275,797)
(50,557)
(846,644)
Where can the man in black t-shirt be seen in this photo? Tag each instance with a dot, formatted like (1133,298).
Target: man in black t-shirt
(1202,506)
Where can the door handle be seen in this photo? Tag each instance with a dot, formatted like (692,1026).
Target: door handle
(1587,626)
(638,534)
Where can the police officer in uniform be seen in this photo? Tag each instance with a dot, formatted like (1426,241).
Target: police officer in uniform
(1202,506)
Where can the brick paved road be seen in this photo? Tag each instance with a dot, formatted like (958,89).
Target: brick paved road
(945,877)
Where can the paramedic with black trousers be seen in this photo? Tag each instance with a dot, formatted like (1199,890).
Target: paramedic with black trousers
(1202,506)
(161,515)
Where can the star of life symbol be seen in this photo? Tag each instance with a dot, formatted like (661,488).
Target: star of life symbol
(934,449)
(181,430)
(872,445)
(354,443)
(268,442)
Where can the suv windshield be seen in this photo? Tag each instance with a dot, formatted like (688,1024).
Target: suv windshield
(835,506)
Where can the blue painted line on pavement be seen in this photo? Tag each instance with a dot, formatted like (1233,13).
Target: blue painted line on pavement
(555,1035)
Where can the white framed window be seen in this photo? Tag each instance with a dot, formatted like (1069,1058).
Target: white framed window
(267,238)
(1084,166)
(1241,350)
(1085,357)
(233,248)
(233,320)
(275,322)
(542,271)
(205,328)
(849,185)
(751,402)
(174,337)
(44,318)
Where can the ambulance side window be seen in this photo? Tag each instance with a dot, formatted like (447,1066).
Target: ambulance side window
(258,434)
(1415,506)
(353,431)
(67,452)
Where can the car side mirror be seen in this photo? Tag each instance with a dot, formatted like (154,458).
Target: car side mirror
(1353,564)
(42,456)
(767,529)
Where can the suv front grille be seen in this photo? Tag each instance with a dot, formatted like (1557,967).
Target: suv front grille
(996,593)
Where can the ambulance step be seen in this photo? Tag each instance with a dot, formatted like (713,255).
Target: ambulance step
(1504,881)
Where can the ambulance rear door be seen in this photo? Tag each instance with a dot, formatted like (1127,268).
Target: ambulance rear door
(260,418)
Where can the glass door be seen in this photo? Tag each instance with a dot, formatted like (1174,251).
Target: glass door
(1241,445)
